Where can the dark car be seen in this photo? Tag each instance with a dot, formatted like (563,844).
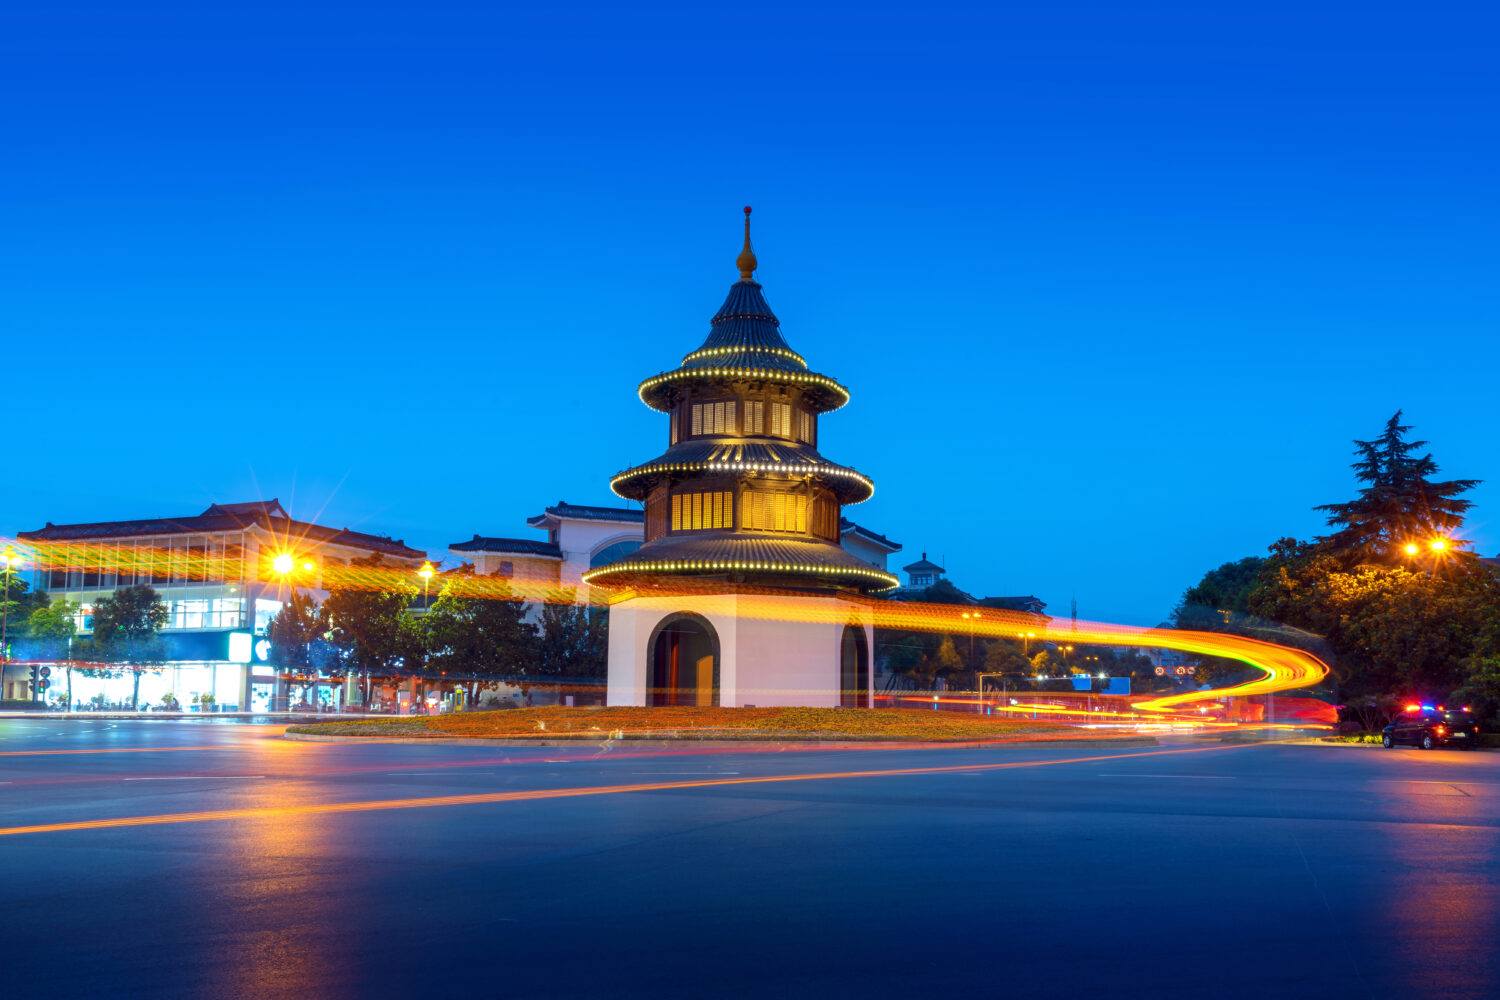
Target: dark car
(1428,727)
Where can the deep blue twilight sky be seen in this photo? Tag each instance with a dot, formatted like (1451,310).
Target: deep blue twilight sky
(1113,287)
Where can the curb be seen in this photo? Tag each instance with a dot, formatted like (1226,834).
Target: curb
(1112,741)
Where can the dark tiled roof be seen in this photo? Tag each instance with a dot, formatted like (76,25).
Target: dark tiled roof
(745,334)
(923,564)
(224,517)
(509,546)
(1029,602)
(847,526)
(837,566)
(849,485)
(578,512)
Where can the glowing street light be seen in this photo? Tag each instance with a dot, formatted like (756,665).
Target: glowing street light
(426,574)
(1438,544)
(1412,549)
(283,563)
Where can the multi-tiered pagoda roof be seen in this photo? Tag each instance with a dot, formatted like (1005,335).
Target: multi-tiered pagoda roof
(742,493)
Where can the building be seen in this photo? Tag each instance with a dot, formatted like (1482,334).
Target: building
(742,593)
(922,574)
(223,575)
(579,539)
(582,538)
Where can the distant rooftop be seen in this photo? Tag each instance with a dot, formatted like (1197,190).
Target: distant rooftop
(509,546)
(847,526)
(564,511)
(267,514)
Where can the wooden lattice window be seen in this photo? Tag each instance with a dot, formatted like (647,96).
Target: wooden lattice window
(714,418)
(702,511)
(765,511)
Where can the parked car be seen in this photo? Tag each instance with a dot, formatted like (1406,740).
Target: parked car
(1429,726)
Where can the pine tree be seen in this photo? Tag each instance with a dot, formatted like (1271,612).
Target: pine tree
(1400,505)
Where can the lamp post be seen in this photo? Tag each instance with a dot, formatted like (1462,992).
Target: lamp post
(11,559)
(426,574)
(969,617)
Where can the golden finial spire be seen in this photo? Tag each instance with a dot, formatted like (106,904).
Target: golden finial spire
(746,260)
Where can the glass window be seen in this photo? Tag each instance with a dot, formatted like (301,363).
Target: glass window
(190,614)
(109,561)
(179,560)
(234,559)
(91,553)
(125,564)
(264,611)
(755,417)
(613,553)
(197,559)
(159,551)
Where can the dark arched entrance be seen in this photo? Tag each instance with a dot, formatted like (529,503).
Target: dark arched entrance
(684,662)
(854,668)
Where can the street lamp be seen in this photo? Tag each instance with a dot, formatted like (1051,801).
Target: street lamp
(970,616)
(426,574)
(1438,544)
(12,559)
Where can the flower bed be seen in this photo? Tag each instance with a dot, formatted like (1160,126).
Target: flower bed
(701,724)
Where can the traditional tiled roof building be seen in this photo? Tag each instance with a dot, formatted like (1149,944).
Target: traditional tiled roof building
(742,493)
(743,503)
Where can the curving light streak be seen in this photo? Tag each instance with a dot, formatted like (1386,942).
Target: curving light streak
(1283,668)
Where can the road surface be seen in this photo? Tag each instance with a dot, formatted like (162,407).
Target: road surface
(1195,869)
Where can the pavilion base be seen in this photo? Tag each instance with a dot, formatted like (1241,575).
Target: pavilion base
(740,650)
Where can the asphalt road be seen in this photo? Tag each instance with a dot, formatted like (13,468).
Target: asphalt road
(1192,870)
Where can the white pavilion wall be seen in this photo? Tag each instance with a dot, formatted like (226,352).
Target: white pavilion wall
(772,650)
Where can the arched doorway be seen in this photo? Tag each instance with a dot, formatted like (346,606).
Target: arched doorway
(854,668)
(684,662)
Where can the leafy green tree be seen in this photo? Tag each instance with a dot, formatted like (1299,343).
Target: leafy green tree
(52,627)
(1207,605)
(126,627)
(372,629)
(479,630)
(298,636)
(1400,504)
(573,639)
(1395,632)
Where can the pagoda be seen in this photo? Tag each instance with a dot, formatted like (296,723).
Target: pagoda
(741,507)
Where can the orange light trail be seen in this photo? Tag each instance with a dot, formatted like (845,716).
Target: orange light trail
(1283,667)
(486,798)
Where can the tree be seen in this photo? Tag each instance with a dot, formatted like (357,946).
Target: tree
(1399,505)
(126,624)
(52,627)
(573,640)
(372,629)
(1220,603)
(299,641)
(1207,605)
(473,634)
(18,601)
(1395,632)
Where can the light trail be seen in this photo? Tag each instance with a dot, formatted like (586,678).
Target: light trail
(487,798)
(64,753)
(1283,667)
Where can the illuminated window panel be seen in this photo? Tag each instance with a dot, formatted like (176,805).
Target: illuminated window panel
(714,418)
(702,511)
(781,419)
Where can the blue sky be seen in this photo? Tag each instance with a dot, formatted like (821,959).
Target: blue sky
(1113,287)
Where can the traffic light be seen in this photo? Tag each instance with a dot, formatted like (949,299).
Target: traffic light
(35,680)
